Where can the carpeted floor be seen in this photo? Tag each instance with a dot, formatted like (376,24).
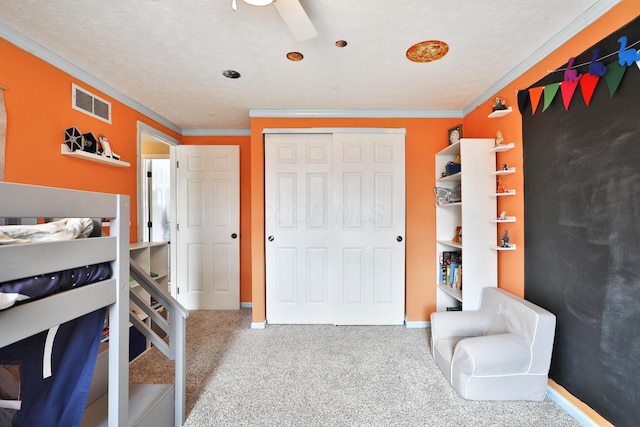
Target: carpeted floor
(321,375)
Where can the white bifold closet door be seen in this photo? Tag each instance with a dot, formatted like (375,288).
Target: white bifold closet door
(335,226)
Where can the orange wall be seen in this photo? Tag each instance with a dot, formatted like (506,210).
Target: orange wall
(38,104)
(245,201)
(424,138)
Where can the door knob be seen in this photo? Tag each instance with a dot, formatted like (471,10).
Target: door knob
(399,238)
(271,238)
(234,235)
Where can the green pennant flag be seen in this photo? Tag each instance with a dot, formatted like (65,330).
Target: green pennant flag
(550,93)
(614,75)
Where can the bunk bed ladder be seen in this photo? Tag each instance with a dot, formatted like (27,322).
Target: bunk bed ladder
(174,326)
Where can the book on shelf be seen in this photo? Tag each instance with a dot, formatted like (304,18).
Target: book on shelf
(450,262)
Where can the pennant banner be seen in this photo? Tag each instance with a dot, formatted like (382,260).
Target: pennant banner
(613,74)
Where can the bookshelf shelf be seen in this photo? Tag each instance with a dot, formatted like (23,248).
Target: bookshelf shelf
(455,293)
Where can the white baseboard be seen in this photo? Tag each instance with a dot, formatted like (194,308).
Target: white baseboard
(570,408)
(422,324)
(246,305)
(259,325)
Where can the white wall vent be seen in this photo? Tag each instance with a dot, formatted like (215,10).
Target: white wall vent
(88,103)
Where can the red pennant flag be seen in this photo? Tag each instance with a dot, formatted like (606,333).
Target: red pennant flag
(534,95)
(588,84)
(568,88)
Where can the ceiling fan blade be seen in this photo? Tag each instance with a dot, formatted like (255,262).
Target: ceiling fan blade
(296,19)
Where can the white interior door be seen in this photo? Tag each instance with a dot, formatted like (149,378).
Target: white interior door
(334,228)
(208,224)
(297,225)
(369,193)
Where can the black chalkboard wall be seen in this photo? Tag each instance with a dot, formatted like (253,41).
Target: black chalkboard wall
(582,234)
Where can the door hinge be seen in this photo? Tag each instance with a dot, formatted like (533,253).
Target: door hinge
(177,164)
(149,224)
(149,174)
(177,227)
(177,290)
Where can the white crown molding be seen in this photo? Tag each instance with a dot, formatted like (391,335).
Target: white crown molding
(382,114)
(36,49)
(216,132)
(316,130)
(577,25)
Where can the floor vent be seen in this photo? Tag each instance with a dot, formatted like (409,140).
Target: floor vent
(88,103)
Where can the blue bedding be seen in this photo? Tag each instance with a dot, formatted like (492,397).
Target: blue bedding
(45,379)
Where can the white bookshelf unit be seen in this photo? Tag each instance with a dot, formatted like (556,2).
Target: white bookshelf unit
(475,213)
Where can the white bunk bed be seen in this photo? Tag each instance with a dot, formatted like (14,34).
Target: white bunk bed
(32,259)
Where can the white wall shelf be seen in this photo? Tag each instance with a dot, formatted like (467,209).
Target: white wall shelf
(506,219)
(64,149)
(503,147)
(509,192)
(509,171)
(500,113)
(512,247)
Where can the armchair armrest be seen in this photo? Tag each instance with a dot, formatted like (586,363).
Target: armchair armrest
(451,324)
(492,355)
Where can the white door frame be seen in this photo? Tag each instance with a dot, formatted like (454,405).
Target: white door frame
(145,130)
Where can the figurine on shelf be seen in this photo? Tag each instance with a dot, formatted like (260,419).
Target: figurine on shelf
(505,167)
(500,105)
(503,215)
(458,236)
(499,139)
(499,185)
(505,239)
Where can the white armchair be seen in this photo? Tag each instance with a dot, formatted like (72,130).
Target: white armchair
(502,351)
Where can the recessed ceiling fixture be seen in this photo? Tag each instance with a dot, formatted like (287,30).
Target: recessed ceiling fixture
(232,74)
(295,56)
(427,51)
(341,43)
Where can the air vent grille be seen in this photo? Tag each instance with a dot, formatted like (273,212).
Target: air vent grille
(88,103)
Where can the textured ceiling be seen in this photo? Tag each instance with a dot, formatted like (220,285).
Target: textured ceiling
(169,55)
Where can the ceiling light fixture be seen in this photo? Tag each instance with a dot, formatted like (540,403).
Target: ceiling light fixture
(231,74)
(259,2)
(295,56)
(427,51)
